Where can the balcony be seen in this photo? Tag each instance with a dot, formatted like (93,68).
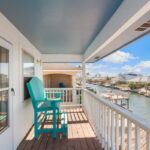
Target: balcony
(94,123)
(32,33)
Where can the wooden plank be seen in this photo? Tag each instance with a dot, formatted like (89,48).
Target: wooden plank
(37,143)
(73,117)
(76,134)
(87,137)
(83,144)
(93,137)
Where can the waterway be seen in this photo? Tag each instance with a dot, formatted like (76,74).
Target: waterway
(138,104)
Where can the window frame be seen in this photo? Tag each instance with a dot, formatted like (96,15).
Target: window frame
(22,70)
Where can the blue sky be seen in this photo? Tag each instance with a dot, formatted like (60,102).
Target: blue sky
(134,57)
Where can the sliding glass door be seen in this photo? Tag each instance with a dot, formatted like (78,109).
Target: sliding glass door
(6,129)
(4,88)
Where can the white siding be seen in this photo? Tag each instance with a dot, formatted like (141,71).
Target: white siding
(22,110)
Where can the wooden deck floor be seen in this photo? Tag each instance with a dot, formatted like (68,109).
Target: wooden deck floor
(80,136)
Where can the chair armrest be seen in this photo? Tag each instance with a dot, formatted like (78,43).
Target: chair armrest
(48,100)
(55,92)
(40,101)
(54,99)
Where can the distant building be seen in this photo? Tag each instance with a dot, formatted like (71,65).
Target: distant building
(60,75)
(132,77)
(128,76)
(140,79)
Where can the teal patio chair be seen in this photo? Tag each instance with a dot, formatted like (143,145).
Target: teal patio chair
(40,104)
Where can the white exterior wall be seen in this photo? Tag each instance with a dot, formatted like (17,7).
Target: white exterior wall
(22,110)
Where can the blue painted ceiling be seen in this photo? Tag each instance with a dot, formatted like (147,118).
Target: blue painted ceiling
(59,26)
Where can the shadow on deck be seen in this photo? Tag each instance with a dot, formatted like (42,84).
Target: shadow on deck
(80,136)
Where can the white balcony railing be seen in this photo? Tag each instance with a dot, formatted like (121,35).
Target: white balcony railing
(71,96)
(115,127)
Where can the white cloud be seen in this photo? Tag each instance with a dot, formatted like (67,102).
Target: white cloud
(119,57)
(131,68)
(138,67)
(144,64)
(93,66)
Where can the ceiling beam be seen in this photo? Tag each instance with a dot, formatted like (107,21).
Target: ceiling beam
(62,58)
(113,35)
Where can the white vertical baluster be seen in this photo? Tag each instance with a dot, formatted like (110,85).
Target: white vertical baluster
(100,122)
(63,95)
(97,117)
(93,113)
(96,114)
(53,94)
(73,100)
(112,130)
(99,129)
(117,131)
(148,140)
(69,96)
(102,125)
(129,135)
(66,95)
(137,137)
(69,99)
(122,132)
(109,129)
(105,127)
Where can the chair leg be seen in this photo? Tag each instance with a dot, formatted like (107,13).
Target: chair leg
(36,125)
(65,132)
(58,111)
(54,135)
(45,114)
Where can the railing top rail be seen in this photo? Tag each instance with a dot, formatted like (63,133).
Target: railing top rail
(125,113)
(62,88)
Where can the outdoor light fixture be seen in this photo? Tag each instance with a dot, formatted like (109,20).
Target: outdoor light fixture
(39,61)
(97,57)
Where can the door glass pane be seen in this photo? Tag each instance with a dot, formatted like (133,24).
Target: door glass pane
(28,65)
(4,87)
(28,71)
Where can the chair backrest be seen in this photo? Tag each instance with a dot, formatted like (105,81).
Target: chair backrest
(36,89)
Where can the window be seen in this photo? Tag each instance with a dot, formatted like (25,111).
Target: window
(28,71)
(28,65)
(4,87)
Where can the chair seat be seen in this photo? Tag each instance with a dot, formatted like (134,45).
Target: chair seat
(45,106)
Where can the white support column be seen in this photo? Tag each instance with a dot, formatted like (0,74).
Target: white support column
(83,82)
(83,75)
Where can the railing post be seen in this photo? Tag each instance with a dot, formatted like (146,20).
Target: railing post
(83,81)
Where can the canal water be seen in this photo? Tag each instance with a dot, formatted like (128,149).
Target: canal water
(138,104)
